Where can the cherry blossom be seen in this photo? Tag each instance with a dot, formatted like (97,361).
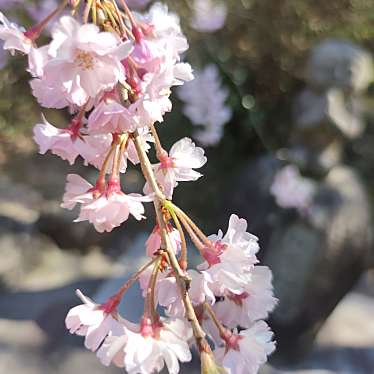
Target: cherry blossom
(208,15)
(114,71)
(84,60)
(247,351)
(110,116)
(111,210)
(14,36)
(148,347)
(178,165)
(153,243)
(166,344)
(252,304)
(211,113)
(65,143)
(291,190)
(230,258)
(94,321)
(168,294)
(105,207)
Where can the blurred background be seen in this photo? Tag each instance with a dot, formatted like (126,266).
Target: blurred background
(283,105)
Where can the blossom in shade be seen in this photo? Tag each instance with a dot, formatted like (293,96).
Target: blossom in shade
(291,190)
(208,15)
(251,305)
(178,166)
(247,351)
(94,321)
(153,243)
(14,36)
(211,114)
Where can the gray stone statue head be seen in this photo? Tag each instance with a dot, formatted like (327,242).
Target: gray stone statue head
(328,111)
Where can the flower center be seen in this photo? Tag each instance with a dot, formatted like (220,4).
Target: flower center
(111,305)
(211,253)
(238,299)
(149,329)
(167,162)
(84,60)
(231,340)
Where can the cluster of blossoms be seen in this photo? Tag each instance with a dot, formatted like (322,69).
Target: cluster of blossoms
(211,114)
(114,70)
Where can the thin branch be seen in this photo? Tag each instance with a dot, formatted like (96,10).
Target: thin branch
(181,278)
(183,258)
(135,277)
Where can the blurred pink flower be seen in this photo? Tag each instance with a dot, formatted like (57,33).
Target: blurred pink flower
(291,190)
(208,15)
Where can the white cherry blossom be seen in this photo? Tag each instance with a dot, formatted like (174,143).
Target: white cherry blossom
(245,352)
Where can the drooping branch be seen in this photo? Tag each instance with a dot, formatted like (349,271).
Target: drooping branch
(182,279)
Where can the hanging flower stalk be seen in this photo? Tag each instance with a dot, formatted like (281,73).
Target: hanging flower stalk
(114,70)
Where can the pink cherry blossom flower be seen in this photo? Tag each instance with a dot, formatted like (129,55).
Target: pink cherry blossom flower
(208,15)
(247,351)
(148,347)
(210,114)
(111,210)
(230,258)
(14,36)
(84,61)
(253,304)
(166,344)
(94,321)
(166,30)
(65,143)
(154,89)
(47,95)
(96,147)
(106,208)
(111,117)
(77,190)
(291,190)
(153,243)
(178,166)
(37,59)
(168,295)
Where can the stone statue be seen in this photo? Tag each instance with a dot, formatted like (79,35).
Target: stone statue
(318,255)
